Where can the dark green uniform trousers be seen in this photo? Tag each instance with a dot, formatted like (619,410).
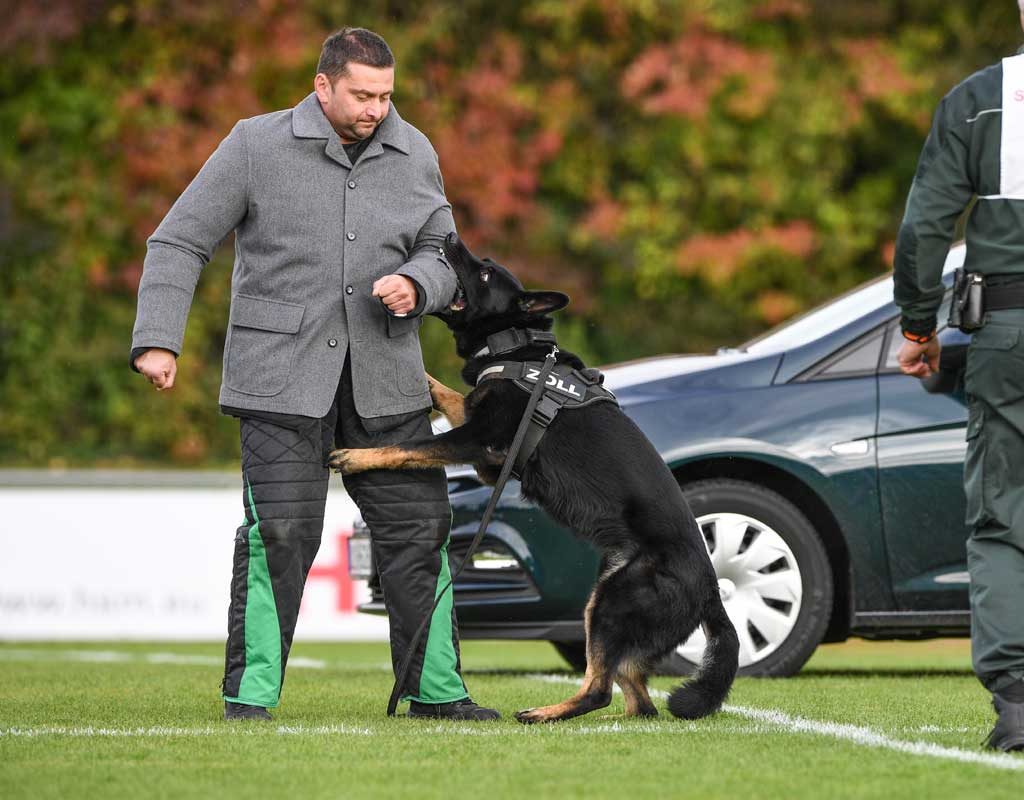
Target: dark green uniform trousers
(284,493)
(994,482)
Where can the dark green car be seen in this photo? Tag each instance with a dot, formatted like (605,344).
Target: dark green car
(827,485)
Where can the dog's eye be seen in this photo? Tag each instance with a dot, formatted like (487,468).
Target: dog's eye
(485,275)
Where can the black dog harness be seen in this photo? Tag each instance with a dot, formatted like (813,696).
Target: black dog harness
(564,386)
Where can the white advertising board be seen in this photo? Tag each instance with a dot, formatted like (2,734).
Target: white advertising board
(96,563)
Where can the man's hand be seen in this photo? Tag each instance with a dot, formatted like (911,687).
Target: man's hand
(919,360)
(398,293)
(159,367)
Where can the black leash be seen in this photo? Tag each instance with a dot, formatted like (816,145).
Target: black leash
(506,471)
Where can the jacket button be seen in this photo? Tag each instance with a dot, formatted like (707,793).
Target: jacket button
(351,184)
(332,342)
(349,290)
(350,236)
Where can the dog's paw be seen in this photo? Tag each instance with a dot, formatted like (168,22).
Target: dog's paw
(531,716)
(436,393)
(432,388)
(346,461)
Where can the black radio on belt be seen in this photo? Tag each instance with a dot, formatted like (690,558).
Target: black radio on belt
(967,310)
(975,295)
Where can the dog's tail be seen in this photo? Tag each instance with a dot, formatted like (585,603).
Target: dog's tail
(705,693)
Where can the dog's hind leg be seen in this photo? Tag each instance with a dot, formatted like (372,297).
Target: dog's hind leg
(596,691)
(632,679)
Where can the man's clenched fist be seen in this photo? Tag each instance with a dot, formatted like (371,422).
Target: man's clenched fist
(398,293)
(159,366)
(919,360)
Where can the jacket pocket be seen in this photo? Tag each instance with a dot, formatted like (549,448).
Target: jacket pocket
(410,375)
(399,326)
(261,344)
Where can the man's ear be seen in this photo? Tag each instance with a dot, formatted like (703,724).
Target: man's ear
(543,302)
(323,87)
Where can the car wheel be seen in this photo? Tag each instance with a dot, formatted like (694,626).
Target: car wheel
(575,653)
(773,573)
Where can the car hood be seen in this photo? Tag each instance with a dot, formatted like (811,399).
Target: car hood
(648,379)
(728,369)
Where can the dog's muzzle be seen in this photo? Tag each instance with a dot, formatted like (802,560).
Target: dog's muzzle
(459,301)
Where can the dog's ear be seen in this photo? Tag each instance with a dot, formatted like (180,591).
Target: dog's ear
(543,302)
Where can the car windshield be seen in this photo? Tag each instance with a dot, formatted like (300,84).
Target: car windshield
(823,320)
(826,319)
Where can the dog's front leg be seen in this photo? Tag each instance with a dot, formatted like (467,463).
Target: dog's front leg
(448,401)
(457,446)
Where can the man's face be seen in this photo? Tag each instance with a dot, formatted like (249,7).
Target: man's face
(358,101)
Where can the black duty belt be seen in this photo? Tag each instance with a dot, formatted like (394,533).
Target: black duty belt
(1003,296)
(565,387)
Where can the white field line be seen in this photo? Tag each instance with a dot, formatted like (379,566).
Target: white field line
(417,729)
(167,731)
(128,657)
(859,735)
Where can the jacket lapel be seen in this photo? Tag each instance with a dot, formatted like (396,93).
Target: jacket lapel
(373,149)
(335,150)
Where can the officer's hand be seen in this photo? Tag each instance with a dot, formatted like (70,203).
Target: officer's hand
(398,293)
(159,367)
(919,360)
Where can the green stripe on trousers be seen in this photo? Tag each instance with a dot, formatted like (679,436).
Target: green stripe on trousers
(439,680)
(261,679)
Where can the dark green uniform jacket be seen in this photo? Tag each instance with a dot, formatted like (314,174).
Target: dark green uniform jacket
(975,148)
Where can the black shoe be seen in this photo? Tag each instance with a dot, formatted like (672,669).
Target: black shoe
(242,711)
(1008,734)
(459,710)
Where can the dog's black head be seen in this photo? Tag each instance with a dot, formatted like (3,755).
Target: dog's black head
(491,297)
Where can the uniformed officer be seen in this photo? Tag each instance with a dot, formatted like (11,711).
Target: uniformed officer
(976,150)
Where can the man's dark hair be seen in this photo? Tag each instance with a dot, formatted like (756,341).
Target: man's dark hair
(356,45)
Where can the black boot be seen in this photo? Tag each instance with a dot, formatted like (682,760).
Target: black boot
(459,710)
(242,711)
(1008,734)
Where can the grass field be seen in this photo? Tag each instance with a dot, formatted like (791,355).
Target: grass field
(862,720)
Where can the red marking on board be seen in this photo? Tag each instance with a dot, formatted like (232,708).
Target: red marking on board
(338,573)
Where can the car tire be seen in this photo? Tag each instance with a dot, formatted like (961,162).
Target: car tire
(574,653)
(776,518)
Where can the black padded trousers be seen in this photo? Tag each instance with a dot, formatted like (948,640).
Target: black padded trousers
(284,494)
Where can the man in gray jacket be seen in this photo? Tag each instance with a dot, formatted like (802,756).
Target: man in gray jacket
(338,211)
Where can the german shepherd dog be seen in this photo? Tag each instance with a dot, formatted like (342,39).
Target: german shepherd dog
(598,475)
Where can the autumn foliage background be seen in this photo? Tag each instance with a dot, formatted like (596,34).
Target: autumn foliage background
(689,172)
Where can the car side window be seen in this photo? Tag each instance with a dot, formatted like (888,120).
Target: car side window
(893,347)
(863,358)
(872,353)
(859,358)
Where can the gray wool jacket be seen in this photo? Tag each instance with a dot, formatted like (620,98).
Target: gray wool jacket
(312,234)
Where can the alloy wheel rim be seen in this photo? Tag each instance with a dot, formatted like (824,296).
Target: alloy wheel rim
(760,583)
